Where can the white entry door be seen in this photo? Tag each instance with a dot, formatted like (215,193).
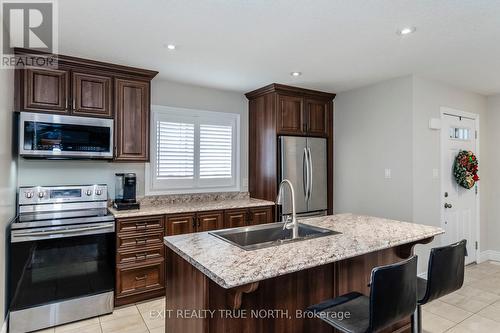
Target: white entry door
(459,205)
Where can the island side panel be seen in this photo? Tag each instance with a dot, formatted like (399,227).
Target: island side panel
(189,289)
(275,302)
(187,293)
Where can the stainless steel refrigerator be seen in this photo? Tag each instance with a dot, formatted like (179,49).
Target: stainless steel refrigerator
(303,161)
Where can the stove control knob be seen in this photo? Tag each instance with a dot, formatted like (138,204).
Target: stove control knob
(98,192)
(28,195)
(88,193)
(41,195)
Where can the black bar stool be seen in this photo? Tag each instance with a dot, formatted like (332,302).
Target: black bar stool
(445,274)
(392,298)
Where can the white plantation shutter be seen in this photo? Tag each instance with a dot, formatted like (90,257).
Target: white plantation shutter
(193,151)
(216,147)
(174,150)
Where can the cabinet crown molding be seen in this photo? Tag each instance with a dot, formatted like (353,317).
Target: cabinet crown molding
(70,61)
(284,89)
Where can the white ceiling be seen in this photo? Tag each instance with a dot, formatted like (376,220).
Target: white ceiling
(337,44)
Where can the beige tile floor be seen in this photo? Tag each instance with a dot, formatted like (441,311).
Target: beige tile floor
(146,317)
(474,308)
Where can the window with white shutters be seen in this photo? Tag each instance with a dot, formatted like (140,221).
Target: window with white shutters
(193,151)
(216,151)
(174,150)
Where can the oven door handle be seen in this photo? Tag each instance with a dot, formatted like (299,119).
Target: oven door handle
(64,231)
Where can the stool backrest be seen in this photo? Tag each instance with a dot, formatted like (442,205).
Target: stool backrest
(393,294)
(445,273)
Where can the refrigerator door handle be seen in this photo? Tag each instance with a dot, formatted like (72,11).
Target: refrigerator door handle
(305,173)
(310,169)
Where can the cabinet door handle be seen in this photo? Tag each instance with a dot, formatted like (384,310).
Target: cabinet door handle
(139,278)
(199,222)
(141,257)
(142,225)
(141,241)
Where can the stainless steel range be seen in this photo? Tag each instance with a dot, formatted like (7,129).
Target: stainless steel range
(62,256)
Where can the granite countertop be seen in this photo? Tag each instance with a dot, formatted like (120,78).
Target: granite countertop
(163,208)
(230,266)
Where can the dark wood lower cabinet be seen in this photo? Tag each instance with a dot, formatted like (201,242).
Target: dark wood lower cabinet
(261,215)
(207,221)
(134,256)
(140,253)
(180,224)
(140,259)
(139,282)
(139,241)
(236,218)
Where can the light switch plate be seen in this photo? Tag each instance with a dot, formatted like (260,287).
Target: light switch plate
(435,124)
(435,173)
(387,173)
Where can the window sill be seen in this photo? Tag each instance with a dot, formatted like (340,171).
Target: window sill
(150,192)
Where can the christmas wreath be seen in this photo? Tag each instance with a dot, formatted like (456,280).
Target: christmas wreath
(465,169)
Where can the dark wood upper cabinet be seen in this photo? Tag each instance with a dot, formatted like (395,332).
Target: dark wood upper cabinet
(302,116)
(291,115)
(92,95)
(180,224)
(317,118)
(132,120)
(46,90)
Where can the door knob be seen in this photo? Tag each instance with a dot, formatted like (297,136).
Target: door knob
(447,205)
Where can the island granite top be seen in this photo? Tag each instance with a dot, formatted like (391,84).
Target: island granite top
(229,266)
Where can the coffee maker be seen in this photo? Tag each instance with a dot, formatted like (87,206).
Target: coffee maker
(125,190)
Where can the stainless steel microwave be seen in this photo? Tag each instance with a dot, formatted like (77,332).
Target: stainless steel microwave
(61,137)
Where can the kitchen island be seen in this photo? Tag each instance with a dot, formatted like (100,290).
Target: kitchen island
(213,286)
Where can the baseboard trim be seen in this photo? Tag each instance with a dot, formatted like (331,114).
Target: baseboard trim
(489,255)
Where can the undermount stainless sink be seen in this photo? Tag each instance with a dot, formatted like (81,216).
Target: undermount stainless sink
(267,235)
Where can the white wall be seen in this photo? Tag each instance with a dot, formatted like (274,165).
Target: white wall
(386,125)
(7,173)
(42,172)
(373,131)
(492,197)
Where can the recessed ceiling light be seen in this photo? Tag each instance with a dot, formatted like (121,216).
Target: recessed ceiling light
(295,73)
(406,31)
(171,46)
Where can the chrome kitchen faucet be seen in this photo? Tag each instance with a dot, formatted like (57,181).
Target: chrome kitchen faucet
(286,222)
